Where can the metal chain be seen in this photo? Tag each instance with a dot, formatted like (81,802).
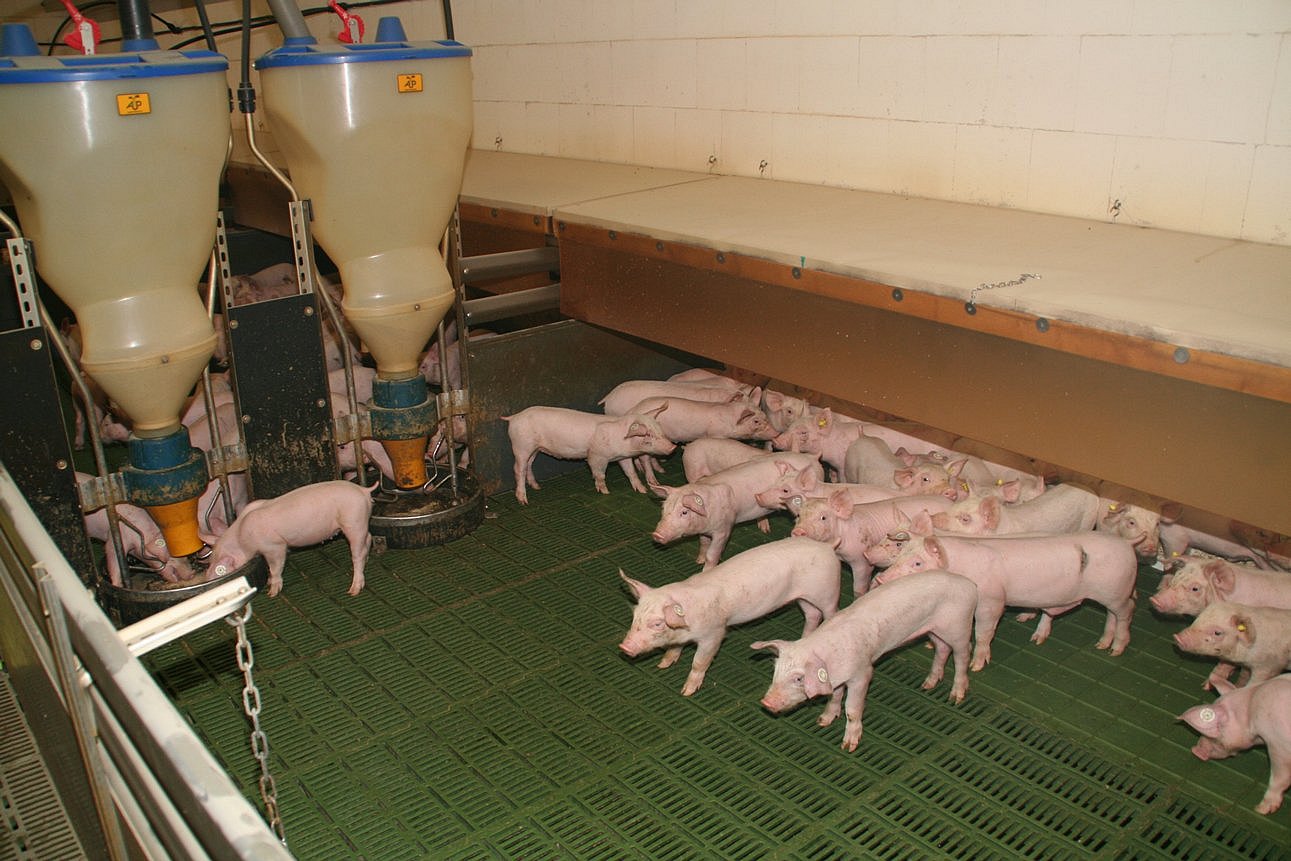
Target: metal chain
(1024,277)
(251,703)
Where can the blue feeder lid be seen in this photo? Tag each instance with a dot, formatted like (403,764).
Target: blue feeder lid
(305,51)
(25,68)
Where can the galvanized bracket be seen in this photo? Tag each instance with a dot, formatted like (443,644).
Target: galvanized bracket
(301,214)
(351,427)
(96,491)
(20,263)
(227,459)
(455,402)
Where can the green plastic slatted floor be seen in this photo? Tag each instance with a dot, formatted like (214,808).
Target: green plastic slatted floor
(471,702)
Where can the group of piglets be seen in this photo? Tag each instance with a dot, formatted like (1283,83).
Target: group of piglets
(1242,616)
(954,539)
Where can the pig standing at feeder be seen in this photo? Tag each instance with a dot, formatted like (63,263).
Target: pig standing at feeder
(299,518)
(1053,573)
(575,435)
(745,587)
(839,655)
(140,538)
(1258,638)
(1242,718)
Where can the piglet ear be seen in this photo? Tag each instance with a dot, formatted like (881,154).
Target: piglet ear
(660,490)
(638,588)
(842,503)
(989,509)
(903,477)
(922,523)
(756,395)
(1011,491)
(1221,576)
(954,469)
(654,413)
(773,646)
(772,399)
(816,679)
(1170,512)
(904,455)
(783,467)
(637,429)
(1244,627)
(1207,720)
(1223,686)
(745,416)
(674,615)
(694,502)
(936,551)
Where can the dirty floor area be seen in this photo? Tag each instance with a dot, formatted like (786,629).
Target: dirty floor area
(472,703)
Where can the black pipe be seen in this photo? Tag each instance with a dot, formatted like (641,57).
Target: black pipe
(448,19)
(136,24)
(246,92)
(206,25)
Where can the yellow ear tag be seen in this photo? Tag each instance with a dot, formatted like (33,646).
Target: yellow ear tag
(964,485)
(820,423)
(1112,507)
(1174,553)
(1241,628)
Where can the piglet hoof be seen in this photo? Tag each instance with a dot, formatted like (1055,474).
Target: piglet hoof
(826,717)
(690,687)
(522,497)
(1038,638)
(1104,643)
(355,588)
(1270,804)
(931,682)
(1025,617)
(979,664)
(852,736)
(957,695)
(669,658)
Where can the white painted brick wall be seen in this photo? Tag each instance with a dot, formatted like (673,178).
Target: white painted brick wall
(1179,109)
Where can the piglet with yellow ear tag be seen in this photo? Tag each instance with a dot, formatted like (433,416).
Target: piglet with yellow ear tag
(839,656)
(1258,638)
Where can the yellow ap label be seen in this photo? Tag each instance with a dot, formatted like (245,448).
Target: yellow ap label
(409,83)
(129,104)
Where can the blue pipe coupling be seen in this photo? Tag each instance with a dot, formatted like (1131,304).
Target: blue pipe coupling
(164,470)
(401,409)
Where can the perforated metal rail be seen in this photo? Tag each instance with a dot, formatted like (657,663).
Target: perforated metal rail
(471,702)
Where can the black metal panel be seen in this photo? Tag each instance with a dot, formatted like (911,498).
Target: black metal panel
(565,364)
(280,379)
(34,444)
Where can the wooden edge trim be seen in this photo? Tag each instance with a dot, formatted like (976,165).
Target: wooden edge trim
(1198,366)
(528,222)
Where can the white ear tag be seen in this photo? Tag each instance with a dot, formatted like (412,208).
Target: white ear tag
(221,569)
(1207,715)
(677,609)
(822,675)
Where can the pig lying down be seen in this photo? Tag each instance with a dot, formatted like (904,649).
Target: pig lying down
(575,435)
(745,587)
(1242,718)
(839,655)
(299,518)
